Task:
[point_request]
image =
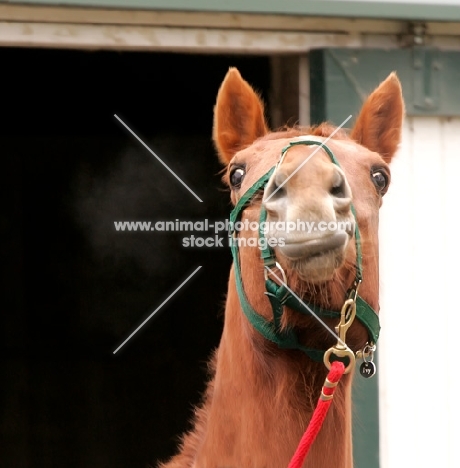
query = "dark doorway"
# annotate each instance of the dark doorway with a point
(73, 287)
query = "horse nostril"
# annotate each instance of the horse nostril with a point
(280, 178)
(339, 187)
(338, 191)
(274, 191)
(275, 188)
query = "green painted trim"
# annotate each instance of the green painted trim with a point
(318, 108)
(429, 79)
(366, 433)
(389, 9)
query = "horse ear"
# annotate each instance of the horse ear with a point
(238, 116)
(379, 124)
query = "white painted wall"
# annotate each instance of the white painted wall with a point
(419, 376)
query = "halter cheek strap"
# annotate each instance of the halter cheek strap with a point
(278, 294)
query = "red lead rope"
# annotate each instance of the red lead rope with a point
(327, 393)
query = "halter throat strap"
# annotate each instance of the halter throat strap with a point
(278, 294)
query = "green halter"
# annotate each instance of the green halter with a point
(279, 295)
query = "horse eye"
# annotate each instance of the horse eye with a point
(380, 180)
(237, 176)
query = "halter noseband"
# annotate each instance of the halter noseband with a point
(280, 295)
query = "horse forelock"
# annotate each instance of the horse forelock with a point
(325, 130)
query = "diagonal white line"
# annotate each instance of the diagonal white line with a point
(155, 311)
(165, 165)
(308, 308)
(311, 155)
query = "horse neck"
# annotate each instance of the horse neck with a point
(273, 392)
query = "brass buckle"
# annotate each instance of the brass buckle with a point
(341, 350)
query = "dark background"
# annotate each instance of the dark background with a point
(73, 289)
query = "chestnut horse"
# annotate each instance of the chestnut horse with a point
(262, 394)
